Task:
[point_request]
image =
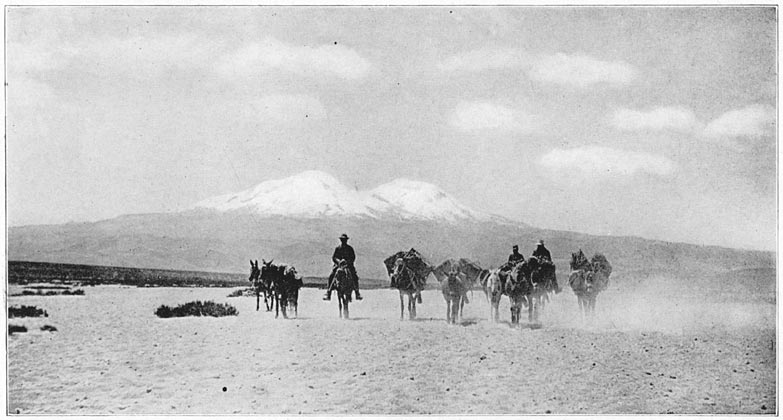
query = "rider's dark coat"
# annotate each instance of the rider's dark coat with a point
(344, 252)
(542, 252)
(515, 258)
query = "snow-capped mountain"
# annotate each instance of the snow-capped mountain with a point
(316, 194)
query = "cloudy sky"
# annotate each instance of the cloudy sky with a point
(657, 122)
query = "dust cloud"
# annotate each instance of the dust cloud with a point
(662, 304)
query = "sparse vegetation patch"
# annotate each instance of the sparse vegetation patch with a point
(41, 292)
(26, 312)
(16, 329)
(248, 291)
(197, 308)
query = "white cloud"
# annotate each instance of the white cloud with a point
(661, 118)
(581, 71)
(751, 121)
(577, 70)
(470, 116)
(485, 59)
(336, 60)
(287, 108)
(605, 161)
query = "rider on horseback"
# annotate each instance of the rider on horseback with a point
(343, 252)
(546, 259)
(513, 259)
(541, 251)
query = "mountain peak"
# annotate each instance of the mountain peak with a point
(315, 194)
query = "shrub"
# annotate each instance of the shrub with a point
(26, 311)
(248, 291)
(16, 329)
(77, 292)
(197, 308)
(48, 328)
(39, 292)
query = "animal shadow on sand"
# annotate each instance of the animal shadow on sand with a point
(522, 326)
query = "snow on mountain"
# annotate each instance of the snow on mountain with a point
(422, 200)
(315, 194)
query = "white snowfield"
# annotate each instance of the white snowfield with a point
(315, 194)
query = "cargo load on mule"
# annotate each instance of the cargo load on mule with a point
(602, 270)
(412, 260)
(408, 272)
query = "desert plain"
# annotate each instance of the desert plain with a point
(655, 349)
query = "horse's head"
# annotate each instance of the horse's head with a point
(399, 266)
(267, 270)
(254, 271)
(399, 271)
(342, 264)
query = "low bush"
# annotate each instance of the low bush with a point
(40, 292)
(249, 291)
(48, 328)
(16, 329)
(26, 312)
(77, 292)
(197, 308)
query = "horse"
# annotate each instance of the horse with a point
(542, 273)
(343, 284)
(588, 279)
(520, 291)
(259, 286)
(473, 274)
(284, 285)
(454, 287)
(407, 281)
(494, 290)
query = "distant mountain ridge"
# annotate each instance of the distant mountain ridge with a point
(297, 221)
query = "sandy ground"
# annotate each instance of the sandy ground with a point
(643, 354)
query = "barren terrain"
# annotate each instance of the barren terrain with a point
(650, 351)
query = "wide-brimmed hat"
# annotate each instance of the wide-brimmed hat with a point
(515, 247)
(540, 242)
(343, 236)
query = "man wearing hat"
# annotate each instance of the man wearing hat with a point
(515, 256)
(343, 252)
(541, 251)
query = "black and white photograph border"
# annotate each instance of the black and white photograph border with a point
(374, 210)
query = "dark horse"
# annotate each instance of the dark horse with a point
(520, 290)
(284, 285)
(543, 275)
(260, 287)
(408, 280)
(343, 284)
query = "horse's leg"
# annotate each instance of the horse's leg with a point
(345, 307)
(461, 307)
(402, 306)
(258, 299)
(284, 306)
(531, 303)
(455, 310)
(412, 306)
(296, 303)
(495, 309)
